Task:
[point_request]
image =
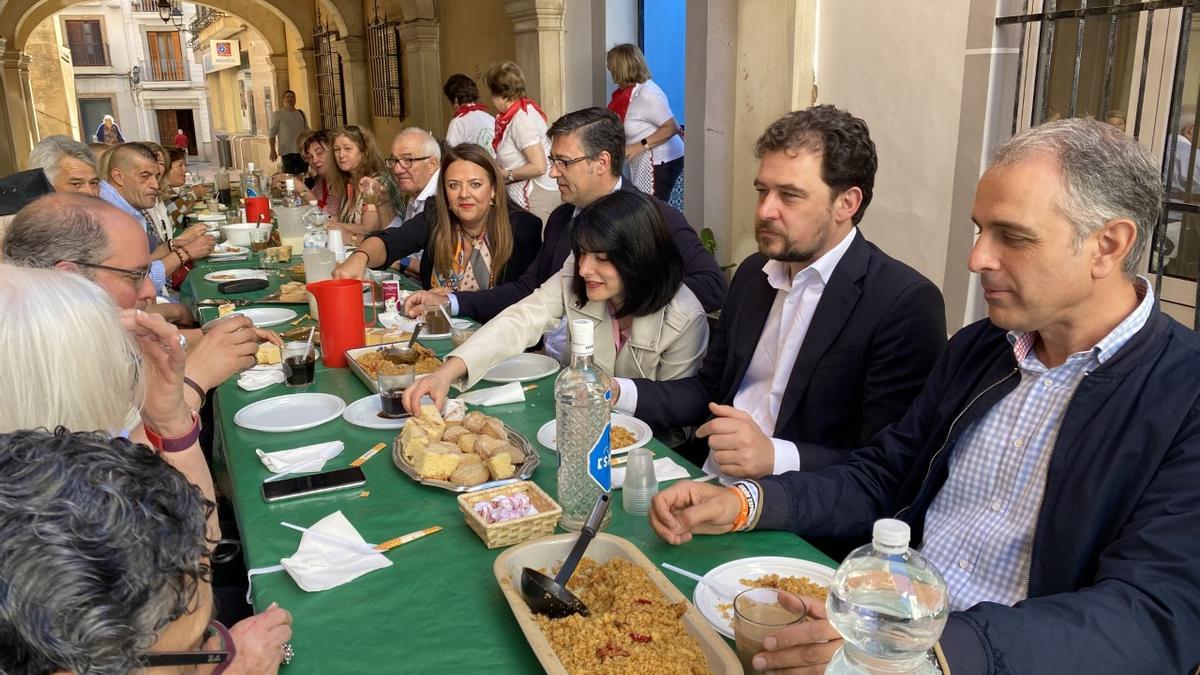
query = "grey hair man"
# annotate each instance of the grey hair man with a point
(65, 537)
(88, 236)
(1049, 466)
(68, 164)
(415, 163)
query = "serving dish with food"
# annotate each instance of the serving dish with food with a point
(368, 362)
(474, 453)
(638, 619)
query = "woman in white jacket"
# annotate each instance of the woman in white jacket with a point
(625, 275)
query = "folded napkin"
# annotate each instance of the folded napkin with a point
(307, 459)
(261, 377)
(665, 468)
(393, 320)
(320, 564)
(513, 392)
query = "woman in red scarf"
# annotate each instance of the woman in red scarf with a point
(654, 143)
(472, 123)
(520, 142)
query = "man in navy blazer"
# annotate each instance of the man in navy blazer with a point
(587, 150)
(823, 339)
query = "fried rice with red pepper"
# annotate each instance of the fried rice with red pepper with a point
(632, 628)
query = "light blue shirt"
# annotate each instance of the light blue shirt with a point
(158, 273)
(979, 529)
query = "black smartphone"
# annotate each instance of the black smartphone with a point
(314, 484)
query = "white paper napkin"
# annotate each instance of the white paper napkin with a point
(308, 459)
(665, 469)
(454, 410)
(393, 320)
(321, 564)
(513, 392)
(261, 377)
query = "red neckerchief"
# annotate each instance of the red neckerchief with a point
(503, 120)
(620, 101)
(468, 108)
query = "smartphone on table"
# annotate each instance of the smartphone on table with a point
(314, 484)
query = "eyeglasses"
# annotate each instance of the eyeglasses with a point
(196, 657)
(405, 162)
(137, 277)
(561, 163)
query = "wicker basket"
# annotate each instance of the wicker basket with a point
(509, 532)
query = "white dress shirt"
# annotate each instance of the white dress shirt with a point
(761, 390)
(417, 204)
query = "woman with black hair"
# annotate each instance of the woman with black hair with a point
(626, 276)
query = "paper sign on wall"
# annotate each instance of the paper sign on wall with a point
(225, 53)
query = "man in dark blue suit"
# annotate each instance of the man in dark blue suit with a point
(823, 339)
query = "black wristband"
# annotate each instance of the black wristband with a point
(198, 389)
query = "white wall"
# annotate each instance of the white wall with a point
(899, 66)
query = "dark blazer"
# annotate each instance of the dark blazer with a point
(701, 272)
(1113, 577)
(874, 337)
(415, 233)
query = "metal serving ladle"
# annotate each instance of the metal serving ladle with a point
(550, 597)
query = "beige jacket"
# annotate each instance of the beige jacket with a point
(666, 345)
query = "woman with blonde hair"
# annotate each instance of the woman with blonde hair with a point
(653, 142)
(480, 239)
(356, 157)
(520, 142)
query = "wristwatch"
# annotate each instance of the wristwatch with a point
(179, 443)
(645, 143)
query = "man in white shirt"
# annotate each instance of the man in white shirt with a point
(415, 163)
(287, 124)
(822, 335)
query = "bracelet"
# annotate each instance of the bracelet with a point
(178, 443)
(646, 142)
(196, 388)
(183, 255)
(739, 523)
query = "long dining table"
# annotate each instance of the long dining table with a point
(437, 608)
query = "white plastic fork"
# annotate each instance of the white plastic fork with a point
(717, 587)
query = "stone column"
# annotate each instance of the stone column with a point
(307, 60)
(15, 78)
(280, 79)
(538, 39)
(423, 75)
(356, 81)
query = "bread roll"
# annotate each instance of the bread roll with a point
(453, 432)
(469, 474)
(474, 421)
(486, 446)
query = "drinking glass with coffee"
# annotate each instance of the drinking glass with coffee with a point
(756, 614)
(391, 391)
(299, 364)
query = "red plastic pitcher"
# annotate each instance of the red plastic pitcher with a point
(258, 210)
(340, 309)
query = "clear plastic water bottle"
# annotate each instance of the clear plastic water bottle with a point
(584, 426)
(291, 198)
(890, 604)
(250, 184)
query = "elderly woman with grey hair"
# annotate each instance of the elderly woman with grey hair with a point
(105, 567)
(68, 164)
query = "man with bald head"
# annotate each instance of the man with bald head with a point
(82, 234)
(132, 185)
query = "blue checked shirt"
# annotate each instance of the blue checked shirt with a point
(979, 528)
(158, 273)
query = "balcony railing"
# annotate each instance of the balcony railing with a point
(203, 19)
(89, 54)
(145, 6)
(164, 70)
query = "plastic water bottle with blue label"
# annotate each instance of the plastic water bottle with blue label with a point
(583, 423)
(890, 604)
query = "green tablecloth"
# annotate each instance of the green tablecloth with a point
(437, 608)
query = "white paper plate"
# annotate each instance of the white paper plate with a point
(392, 321)
(235, 274)
(522, 368)
(548, 435)
(291, 412)
(731, 574)
(227, 251)
(264, 317)
(365, 413)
